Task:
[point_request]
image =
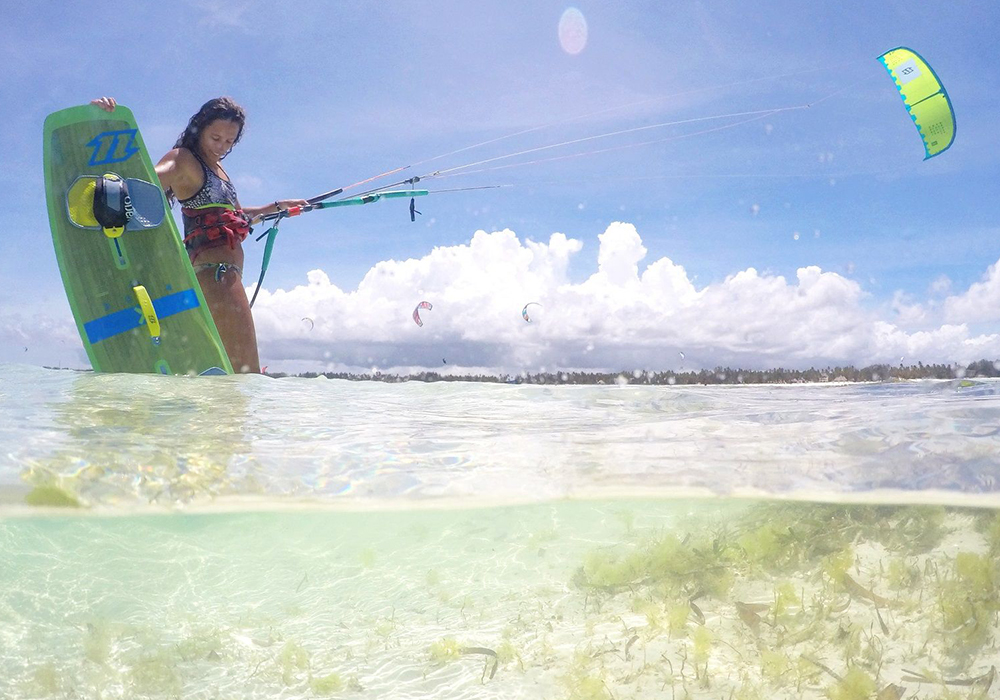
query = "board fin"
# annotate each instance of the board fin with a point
(213, 372)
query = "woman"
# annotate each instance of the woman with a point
(215, 224)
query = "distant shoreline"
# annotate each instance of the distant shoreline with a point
(719, 375)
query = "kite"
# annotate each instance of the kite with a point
(416, 312)
(524, 311)
(311, 324)
(925, 98)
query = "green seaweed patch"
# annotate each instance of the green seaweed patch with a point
(507, 652)
(97, 643)
(764, 546)
(701, 640)
(749, 691)
(855, 685)
(292, 659)
(200, 645)
(677, 618)
(445, 651)
(607, 571)
(155, 674)
(992, 533)
(583, 684)
(774, 666)
(902, 574)
(651, 610)
(45, 680)
(977, 573)
(327, 685)
(786, 537)
(836, 565)
(668, 564)
(967, 602)
(51, 496)
(917, 529)
(788, 603)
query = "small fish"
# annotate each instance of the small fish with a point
(698, 614)
(859, 591)
(986, 679)
(628, 645)
(750, 614)
(816, 662)
(891, 692)
(841, 607)
(881, 622)
(485, 652)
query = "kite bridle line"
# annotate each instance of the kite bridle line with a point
(607, 110)
(387, 192)
(743, 117)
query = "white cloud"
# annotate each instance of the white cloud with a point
(622, 316)
(627, 314)
(981, 302)
(940, 285)
(908, 313)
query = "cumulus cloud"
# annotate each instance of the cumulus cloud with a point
(628, 314)
(981, 302)
(624, 315)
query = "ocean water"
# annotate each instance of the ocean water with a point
(165, 537)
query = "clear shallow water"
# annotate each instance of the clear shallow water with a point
(249, 537)
(120, 440)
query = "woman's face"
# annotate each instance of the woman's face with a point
(217, 138)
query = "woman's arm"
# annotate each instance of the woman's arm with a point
(179, 173)
(256, 212)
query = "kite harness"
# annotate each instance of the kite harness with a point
(211, 224)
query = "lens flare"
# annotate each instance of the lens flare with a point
(572, 31)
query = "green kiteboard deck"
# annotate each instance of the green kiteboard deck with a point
(136, 300)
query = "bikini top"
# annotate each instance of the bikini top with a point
(214, 192)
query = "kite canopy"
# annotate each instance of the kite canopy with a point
(416, 312)
(524, 311)
(924, 96)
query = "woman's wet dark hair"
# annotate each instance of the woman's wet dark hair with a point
(220, 108)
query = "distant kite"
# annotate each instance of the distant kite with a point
(311, 324)
(925, 98)
(416, 312)
(524, 311)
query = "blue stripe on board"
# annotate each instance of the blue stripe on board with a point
(125, 320)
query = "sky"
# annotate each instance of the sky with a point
(672, 233)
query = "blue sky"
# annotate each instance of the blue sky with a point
(336, 92)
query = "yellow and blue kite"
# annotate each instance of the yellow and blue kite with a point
(924, 96)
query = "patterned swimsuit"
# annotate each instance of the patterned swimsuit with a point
(212, 218)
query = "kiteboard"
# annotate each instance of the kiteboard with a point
(137, 303)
